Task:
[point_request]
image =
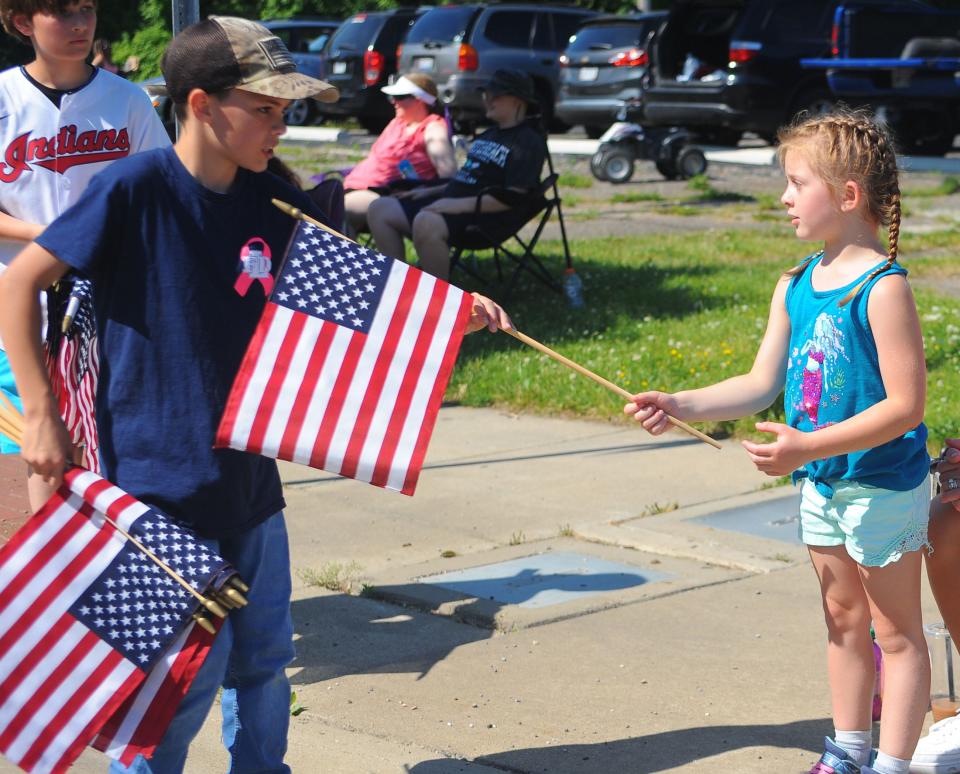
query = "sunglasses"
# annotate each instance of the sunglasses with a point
(401, 97)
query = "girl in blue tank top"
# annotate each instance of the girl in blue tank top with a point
(843, 340)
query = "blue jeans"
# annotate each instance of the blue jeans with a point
(248, 658)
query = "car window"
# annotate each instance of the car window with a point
(356, 32)
(543, 34)
(509, 28)
(442, 25)
(315, 45)
(784, 19)
(393, 33)
(601, 37)
(565, 26)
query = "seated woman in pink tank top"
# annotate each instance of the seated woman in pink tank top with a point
(414, 144)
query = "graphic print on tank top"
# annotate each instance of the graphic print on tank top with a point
(823, 376)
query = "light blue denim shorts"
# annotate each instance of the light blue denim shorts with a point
(9, 388)
(877, 526)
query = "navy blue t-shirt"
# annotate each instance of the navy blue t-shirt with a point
(164, 254)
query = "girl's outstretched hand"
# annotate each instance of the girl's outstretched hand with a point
(488, 314)
(949, 470)
(782, 456)
(651, 409)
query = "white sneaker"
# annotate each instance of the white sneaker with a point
(939, 751)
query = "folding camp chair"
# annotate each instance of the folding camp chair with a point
(505, 240)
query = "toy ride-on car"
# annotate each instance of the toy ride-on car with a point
(668, 147)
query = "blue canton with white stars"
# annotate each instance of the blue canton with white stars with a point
(331, 278)
(135, 606)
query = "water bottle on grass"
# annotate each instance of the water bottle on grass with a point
(573, 288)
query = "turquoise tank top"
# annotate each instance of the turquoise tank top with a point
(833, 373)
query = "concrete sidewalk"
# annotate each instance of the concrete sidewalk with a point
(559, 596)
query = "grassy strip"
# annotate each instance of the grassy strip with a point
(672, 312)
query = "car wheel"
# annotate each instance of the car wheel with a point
(667, 168)
(690, 162)
(618, 166)
(299, 113)
(595, 131)
(596, 166)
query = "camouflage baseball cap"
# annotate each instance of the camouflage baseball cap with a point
(226, 52)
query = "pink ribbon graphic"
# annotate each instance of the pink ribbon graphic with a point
(255, 263)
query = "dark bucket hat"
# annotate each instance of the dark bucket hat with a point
(513, 83)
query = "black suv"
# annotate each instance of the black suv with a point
(602, 68)
(460, 47)
(360, 58)
(723, 67)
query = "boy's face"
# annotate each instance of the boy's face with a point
(248, 127)
(62, 36)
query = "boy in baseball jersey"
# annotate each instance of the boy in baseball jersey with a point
(61, 122)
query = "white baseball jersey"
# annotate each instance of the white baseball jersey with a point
(48, 155)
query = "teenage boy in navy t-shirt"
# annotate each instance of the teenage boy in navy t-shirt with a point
(161, 234)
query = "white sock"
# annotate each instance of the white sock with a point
(887, 764)
(856, 744)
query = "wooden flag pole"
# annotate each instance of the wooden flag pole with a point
(294, 212)
(11, 421)
(608, 384)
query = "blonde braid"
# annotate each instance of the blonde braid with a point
(888, 193)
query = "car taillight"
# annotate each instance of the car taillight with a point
(742, 51)
(635, 57)
(372, 67)
(399, 51)
(835, 39)
(468, 59)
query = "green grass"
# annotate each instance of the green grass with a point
(636, 196)
(677, 311)
(572, 180)
(705, 192)
(946, 187)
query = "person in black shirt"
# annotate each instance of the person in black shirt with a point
(508, 157)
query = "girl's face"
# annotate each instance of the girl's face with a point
(62, 36)
(811, 204)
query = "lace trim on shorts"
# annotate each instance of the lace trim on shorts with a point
(913, 538)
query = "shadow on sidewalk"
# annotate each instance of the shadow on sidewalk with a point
(394, 632)
(340, 635)
(653, 753)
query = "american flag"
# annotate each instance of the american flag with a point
(347, 368)
(97, 644)
(74, 366)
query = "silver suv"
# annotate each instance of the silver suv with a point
(461, 46)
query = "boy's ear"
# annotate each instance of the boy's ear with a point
(198, 105)
(850, 196)
(23, 24)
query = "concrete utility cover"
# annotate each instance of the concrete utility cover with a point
(545, 579)
(774, 519)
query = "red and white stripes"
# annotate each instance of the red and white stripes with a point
(361, 405)
(59, 681)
